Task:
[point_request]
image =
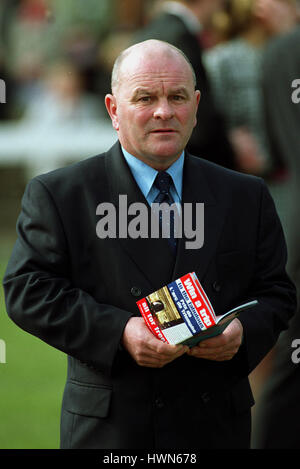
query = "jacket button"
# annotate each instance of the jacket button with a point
(205, 397)
(159, 403)
(216, 286)
(136, 291)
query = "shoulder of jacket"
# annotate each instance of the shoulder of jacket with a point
(76, 171)
(214, 170)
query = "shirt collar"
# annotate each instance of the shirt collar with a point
(145, 175)
(190, 20)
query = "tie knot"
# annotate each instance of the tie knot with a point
(163, 182)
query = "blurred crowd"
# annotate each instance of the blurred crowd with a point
(56, 58)
(50, 59)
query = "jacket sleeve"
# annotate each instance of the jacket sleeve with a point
(40, 297)
(271, 286)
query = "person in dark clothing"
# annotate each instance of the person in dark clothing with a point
(278, 421)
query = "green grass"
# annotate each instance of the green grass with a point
(31, 382)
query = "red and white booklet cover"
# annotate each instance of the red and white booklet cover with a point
(181, 312)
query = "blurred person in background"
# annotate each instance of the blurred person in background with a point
(110, 47)
(81, 47)
(278, 417)
(7, 8)
(41, 32)
(7, 108)
(181, 23)
(28, 75)
(62, 99)
(30, 31)
(234, 68)
(7, 90)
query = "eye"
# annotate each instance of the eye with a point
(178, 97)
(145, 99)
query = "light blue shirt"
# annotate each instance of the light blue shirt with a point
(145, 177)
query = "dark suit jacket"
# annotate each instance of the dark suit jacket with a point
(76, 292)
(209, 139)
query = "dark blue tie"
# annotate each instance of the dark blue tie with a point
(163, 182)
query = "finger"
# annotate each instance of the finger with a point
(212, 353)
(224, 358)
(155, 361)
(164, 350)
(156, 352)
(214, 342)
(231, 336)
(151, 363)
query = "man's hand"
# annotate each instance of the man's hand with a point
(222, 347)
(145, 348)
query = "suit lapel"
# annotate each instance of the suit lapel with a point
(152, 256)
(197, 189)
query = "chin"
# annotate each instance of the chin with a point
(167, 151)
(162, 161)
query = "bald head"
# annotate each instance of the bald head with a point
(154, 102)
(149, 49)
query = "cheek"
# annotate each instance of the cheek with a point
(142, 116)
(138, 122)
(133, 125)
(188, 117)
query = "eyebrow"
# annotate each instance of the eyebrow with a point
(148, 92)
(141, 91)
(181, 90)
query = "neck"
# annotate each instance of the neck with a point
(155, 162)
(159, 165)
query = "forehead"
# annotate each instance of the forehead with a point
(155, 69)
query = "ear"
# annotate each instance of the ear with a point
(197, 98)
(111, 106)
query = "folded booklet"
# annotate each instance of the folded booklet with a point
(181, 313)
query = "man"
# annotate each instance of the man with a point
(278, 423)
(78, 291)
(181, 23)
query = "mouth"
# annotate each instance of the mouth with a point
(163, 131)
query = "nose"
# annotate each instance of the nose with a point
(163, 110)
